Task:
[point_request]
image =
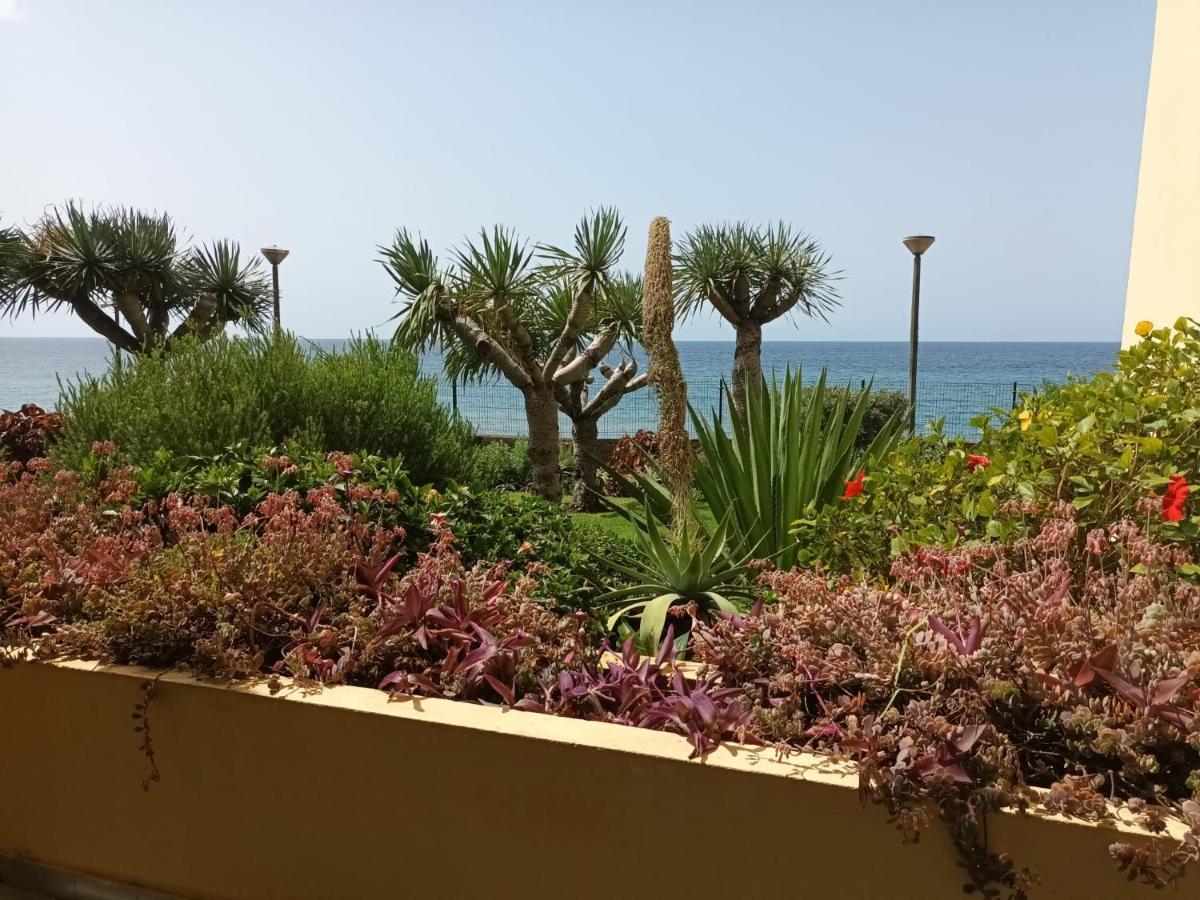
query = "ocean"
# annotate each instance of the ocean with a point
(957, 380)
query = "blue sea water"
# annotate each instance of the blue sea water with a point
(957, 379)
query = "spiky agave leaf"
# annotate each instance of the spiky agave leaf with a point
(709, 573)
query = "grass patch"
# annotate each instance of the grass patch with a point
(620, 526)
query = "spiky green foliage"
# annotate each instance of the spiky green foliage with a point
(501, 307)
(205, 397)
(543, 318)
(108, 262)
(754, 273)
(703, 570)
(786, 456)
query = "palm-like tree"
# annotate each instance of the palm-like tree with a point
(543, 319)
(113, 264)
(752, 275)
(615, 322)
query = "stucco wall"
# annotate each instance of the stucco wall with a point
(342, 794)
(1164, 266)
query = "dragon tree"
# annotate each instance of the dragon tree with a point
(752, 275)
(543, 318)
(129, 277)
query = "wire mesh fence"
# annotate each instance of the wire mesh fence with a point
(497, 409)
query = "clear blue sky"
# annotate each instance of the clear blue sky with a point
(1010, 131)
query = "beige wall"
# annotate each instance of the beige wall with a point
(1164, 267)
(341, 794)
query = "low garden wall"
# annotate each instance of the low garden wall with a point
(341, 793)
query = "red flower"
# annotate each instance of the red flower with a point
(855, 486)
(1172, 501)
(977, 461)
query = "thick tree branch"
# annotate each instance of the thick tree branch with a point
(722, 305)
(581, 308)
(577, 368)
(198, 320)
(131, 308)
(765, 307)
(487, 348)
(524, 342)
(102, 323)
(621, 381)
(571, 398)
(741, 295)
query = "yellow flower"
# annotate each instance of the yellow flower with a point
(432, 496)
(1024, 417)
(1143, 328)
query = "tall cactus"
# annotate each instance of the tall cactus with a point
(658, 321)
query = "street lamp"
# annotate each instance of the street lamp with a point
(275, 255)
(917, 245)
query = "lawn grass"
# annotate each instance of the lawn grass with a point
(622, 527)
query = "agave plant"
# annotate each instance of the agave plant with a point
(784, 457)
(667, 574)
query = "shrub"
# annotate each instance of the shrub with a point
(28, 432)
(307, 588)
(242, 476)
(500, 464)
(1065, 660)
(1121, 444)
(204, 398)
(882, 408)
(781, 457)
(570, 556)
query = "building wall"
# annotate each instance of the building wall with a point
(1164, 267)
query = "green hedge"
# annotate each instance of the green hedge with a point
(200, 399)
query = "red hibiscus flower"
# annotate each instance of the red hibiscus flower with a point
(854, 487)
(977, 461)
(1173, 499)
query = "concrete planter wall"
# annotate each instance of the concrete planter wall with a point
(341, 793)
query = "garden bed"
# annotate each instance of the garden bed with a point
(340, 792)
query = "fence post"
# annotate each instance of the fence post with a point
(721, 401)
(454, 395)
(1014, 402)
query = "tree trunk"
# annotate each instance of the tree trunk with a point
(747, 362)
(541, 414)
(586, 496)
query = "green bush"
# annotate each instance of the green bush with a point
(785, 456)
(203, 398)
(882, 408)
(242, 476)
(571, 555)
(499, 464)
(1107, 446)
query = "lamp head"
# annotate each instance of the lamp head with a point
(918, 243)
(274, 255)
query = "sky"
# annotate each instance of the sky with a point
(1010, 131)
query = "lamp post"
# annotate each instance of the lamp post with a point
(917, 245)
(275, 255)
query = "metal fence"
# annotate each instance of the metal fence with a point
(496, 408)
